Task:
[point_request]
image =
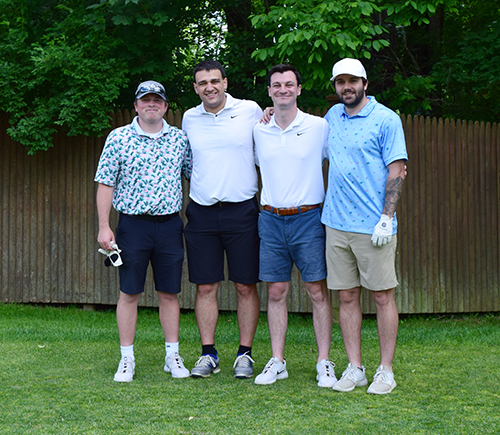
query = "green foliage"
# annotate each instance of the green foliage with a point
(469, 73)
(432, 57)
(67, 64)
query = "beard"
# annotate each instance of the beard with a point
(358, 97)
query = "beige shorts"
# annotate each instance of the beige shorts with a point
(352, 260)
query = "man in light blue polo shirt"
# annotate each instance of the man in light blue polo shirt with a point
(367, 155)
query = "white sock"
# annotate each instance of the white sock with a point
(127, 351)
(171, 348)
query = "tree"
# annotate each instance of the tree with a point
(67, 63)
(432, 57)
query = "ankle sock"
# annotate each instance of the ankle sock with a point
(171, 348)
(127, 351)
(208, 349)
(245, 349)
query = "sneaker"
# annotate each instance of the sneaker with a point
(174, 364)
(204, 366)
(126, 370)
(326, 374)
(274, 370)
(243, 366)
(383, 381)
(352, 377)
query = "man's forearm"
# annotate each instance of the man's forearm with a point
(104, 200)
(394, 187)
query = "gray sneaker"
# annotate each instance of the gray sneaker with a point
(204, 366)
(352, 377)
(383, 381)
(243, 366)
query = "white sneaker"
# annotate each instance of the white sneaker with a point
(326, 374)
(352, 377)
(383, 381)
(274, 370)
(174, 364)
(126, 370)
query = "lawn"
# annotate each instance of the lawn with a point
(58, 365)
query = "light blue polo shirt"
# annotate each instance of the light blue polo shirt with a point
(360, 148)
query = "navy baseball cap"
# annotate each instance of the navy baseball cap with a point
(150, 87)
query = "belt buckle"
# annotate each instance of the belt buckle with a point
(278, 212)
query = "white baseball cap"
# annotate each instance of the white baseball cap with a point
(349, 66)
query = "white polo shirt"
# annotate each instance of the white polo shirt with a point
(291, 161)
(222, 146)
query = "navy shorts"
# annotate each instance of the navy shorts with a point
(230, 227)
(285, 240)
(143, 241)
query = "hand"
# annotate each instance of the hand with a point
(105, 238)
(266, 116)
(382, 234)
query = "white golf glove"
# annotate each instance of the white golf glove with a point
(113, 255)
(382, 233)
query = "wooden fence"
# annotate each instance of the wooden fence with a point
(448, 256)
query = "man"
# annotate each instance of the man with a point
(290, 151)
(139, 173)
(367, 155)
(223, 213)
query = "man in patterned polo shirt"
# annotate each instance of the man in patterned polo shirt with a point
(139, 173)
(367, 155)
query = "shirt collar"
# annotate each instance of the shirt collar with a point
(141, 132)
(365, 111)
(299, 117)
(229, 104)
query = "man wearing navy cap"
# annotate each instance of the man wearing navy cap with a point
(139, 174)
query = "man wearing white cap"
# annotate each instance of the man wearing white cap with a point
(367, 155)
(139, 173)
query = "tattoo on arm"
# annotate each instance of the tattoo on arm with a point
(393, 191)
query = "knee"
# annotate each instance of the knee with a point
(349, 296)
(318, 293)
(129, 299)
(383, 298)
(277, 291)
(207, 290)
(246, 290)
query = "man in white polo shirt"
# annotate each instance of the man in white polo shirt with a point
(223, 213)
(290, 152)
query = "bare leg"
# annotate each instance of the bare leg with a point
(277, 316)
(169, 316)
(322, 316)
(207, 311)
(387, 325)
(126, 317)
(350, 319)
(248, 312)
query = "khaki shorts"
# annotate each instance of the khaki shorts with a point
(352, 260)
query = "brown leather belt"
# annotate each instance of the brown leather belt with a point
(288, 211)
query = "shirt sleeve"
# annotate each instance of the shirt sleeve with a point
(109, 162)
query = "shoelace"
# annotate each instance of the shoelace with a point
(177, 360)
(205, 360)
(350, 374)
(243, 360)
(381, 377)
(269, 365)
(126, 365)
(326, 369)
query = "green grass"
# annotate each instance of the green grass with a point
(57, 366)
